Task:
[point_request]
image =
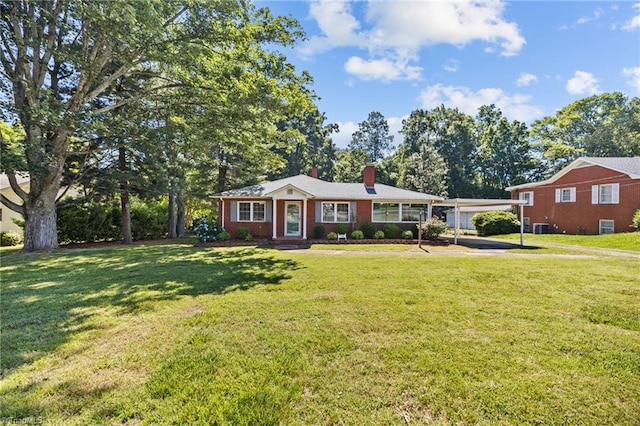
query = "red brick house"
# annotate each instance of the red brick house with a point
(290, 208)
(589, 196)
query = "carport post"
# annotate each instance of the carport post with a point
(457, 215)
(522, 225)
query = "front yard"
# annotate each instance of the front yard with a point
(175, 334)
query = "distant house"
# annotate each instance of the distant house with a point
(589, 196)
(290, 208)
(466, 213)
(7, 215)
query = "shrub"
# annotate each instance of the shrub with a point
(80, 220)
(318, 232)
(244, 233)
(433, 227)
(495, 223)
(10, 238)
(357, 235)
(332, 236)
(342, 228)
(368, 229)
(636, 220)
(149, 220)
(391, 230)
(407, 235)
(206, 229)
(378, 235)
(224, 236)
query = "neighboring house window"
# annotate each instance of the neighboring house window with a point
(566, 195)
(605, 194)
(526, 224)
(251, 211)
(397, 212)
(527, 196)
(606, 227)
(335, 212)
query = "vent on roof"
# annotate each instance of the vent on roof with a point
(289, 191)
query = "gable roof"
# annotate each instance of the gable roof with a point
(629, 166)
(316, 188)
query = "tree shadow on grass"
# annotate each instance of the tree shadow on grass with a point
(47, 298)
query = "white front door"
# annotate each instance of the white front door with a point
(293, 218)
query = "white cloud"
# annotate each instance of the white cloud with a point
(585, 19)
(634, 22)
(514, 107)
(381, 69)
(343, 137)
(526, 79)
(583, 83)
(452, 65)
(633, 74)
(396, 31)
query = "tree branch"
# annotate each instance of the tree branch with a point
(12, 206)
(16, 187)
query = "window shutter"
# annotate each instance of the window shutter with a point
(558, 195)
(573, 195)
(234, 211)
(268, 211)
(353, 207)
(615, 193)
(595, 190)
(318, 211)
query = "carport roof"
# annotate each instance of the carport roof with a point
(478, 202)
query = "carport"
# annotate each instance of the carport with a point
(458, 203)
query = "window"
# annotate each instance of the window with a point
(397, 212)
(605, 194)
(527, 196)
(565, 195)
(526, 224)
(606, 226)
(335, 212)
(253, 211)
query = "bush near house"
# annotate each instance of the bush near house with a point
(368, 229)
(432, 228)
(342, 228)
(244, 234)
(407, 235)
(495, 223)
(391, 230)
(636, 220)
(206, 229)
(10, 238)
(378, 235)
(318, 232)
(332, 236)
(357, 235)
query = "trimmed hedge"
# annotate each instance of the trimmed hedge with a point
(495, 223)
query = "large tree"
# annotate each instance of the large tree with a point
(60, 57)
(372, 136)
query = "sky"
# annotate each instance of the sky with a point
(529, 58)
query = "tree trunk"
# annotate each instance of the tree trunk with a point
(40, 232)
(180, 225)
(125, 205)
(172, 216)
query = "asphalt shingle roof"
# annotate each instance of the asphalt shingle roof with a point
(321, 189)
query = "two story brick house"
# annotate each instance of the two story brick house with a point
(592, 195)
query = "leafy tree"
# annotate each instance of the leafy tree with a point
(504, 155)
(425, 171)
(373, 137)
(61, 60)
(350, 165)
(605, 125)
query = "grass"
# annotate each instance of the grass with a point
(624, 241)
(174, 334)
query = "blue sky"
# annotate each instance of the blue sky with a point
(530, 58)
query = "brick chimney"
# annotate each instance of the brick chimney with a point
(314, 172)
(369, 175)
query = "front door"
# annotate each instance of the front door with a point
(293, 218)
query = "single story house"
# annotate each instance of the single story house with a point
(592, 195)
(466, 213)
(7, 215)
(290, 208)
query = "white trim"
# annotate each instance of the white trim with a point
(274, 219)
(529, 201)
(286, 210)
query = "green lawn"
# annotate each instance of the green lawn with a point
(174, 334)
(624, 241)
